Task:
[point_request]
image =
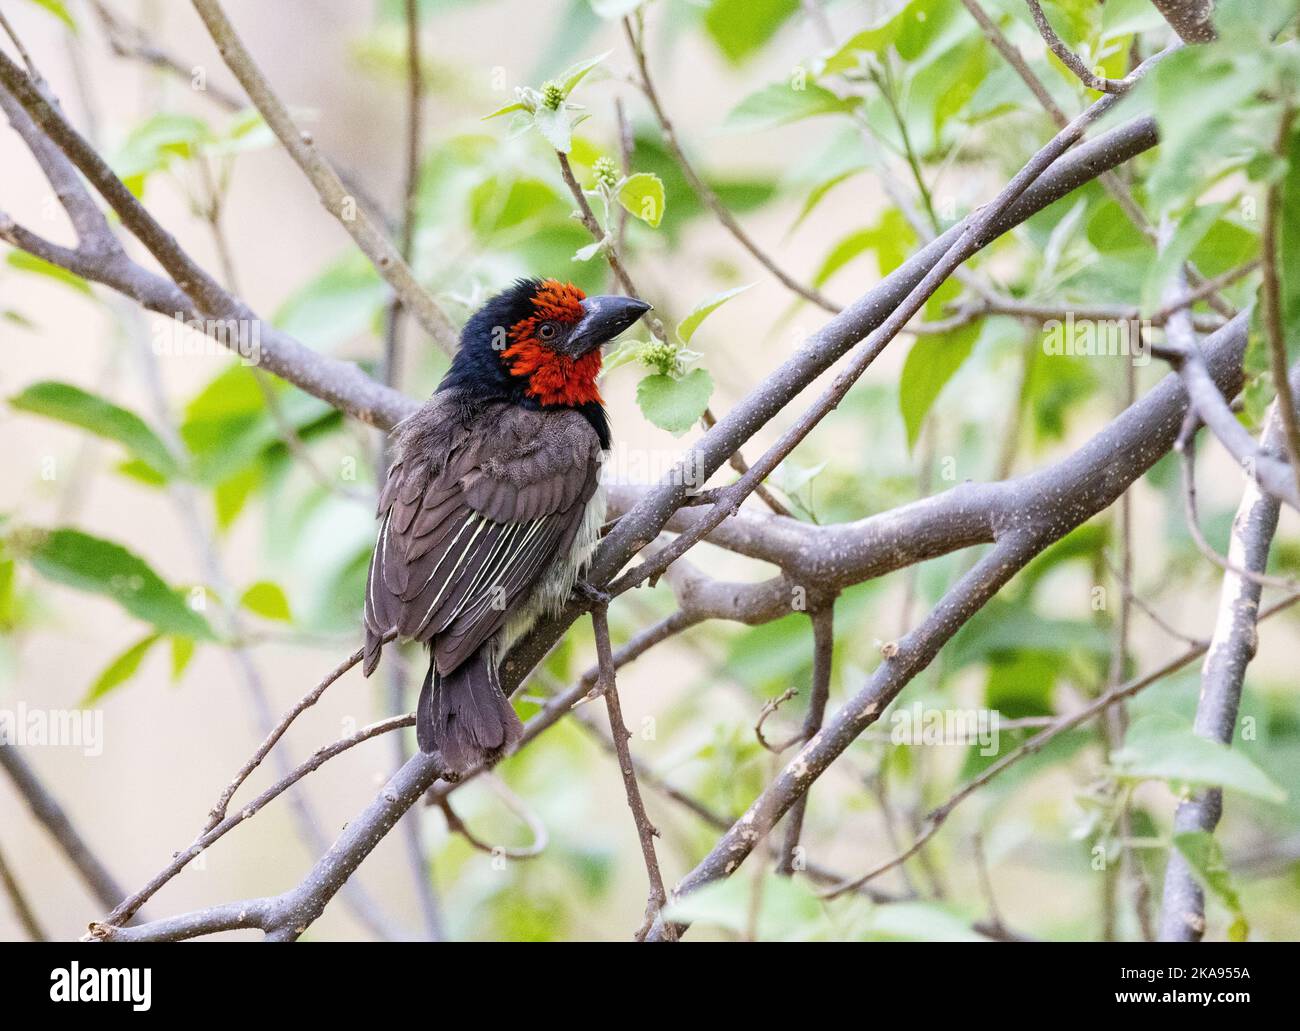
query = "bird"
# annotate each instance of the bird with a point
(493, 505)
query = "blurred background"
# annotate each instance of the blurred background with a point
(281, 534)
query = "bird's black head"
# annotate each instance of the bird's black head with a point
(539, 343)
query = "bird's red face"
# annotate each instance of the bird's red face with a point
(556, 345)
(537, 348)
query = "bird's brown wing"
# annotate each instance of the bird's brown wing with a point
(474, 512)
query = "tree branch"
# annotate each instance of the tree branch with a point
(823, 621)
(45, 807)
(703, 190)
(333, 194)
(1193, 20)
(1231, 649)
(646, 832)
(1213, 409)
(22, 908)
(194, 294)
(1024, 533)
(1071, 60)
(936, 817)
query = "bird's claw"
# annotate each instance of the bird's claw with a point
(591, 594)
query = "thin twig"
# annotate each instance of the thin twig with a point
(1073, 61)
(22, 50)
(769, 709)
(967, 243)
(986, 882)
(936, 817)
(1146, 608)
(61, 152)
(1186, 448)
(613, 255)
(1272, 308)
(646, 832)
(369, 237)
(1233, 646)
(823, 622)
(47, 810)
(626, 144)
(132, 43)
(22, 908)
(418, 860)
(218, 812)
(702, 189)
(131, 905)
(1210, 404)
(536, 827)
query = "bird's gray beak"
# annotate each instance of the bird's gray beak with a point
(603, 319)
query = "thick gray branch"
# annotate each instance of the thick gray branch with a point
(642, 525)
(1085, 484)
(1193, 20)
(1223, 673)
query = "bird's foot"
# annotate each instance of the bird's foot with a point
(590, 594)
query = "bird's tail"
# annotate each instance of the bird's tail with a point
(464, 715)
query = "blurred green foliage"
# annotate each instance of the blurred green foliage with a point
(933, 97)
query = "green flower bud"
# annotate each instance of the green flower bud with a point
(605, 172)
(552, 95)
(660, 356)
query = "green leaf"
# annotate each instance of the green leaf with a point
(8, 596)
(182, 653)
(819, 192)
(780, 103)
(101, 567)
(72, 405)
(231, 495)
(930, 28)
(1191, 229)
(555, 127)
(889, 239)
(919, 921)
(25, 262)
(848, 248)
(741, 27)
(572, 76)
(18, 319)
(247, 130)
(675, 404)
(642, 194)
(508, 109)
(1203, 855)
(869, 41)
(341, 302)
(1155, 747)
(1201, 96)
(687, 327)
(789, 909)
(930, 364)
(268, 600)
(142, 472)
(59, 10)
(159, 141)
(120, 670)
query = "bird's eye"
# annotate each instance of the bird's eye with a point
(547, 330)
